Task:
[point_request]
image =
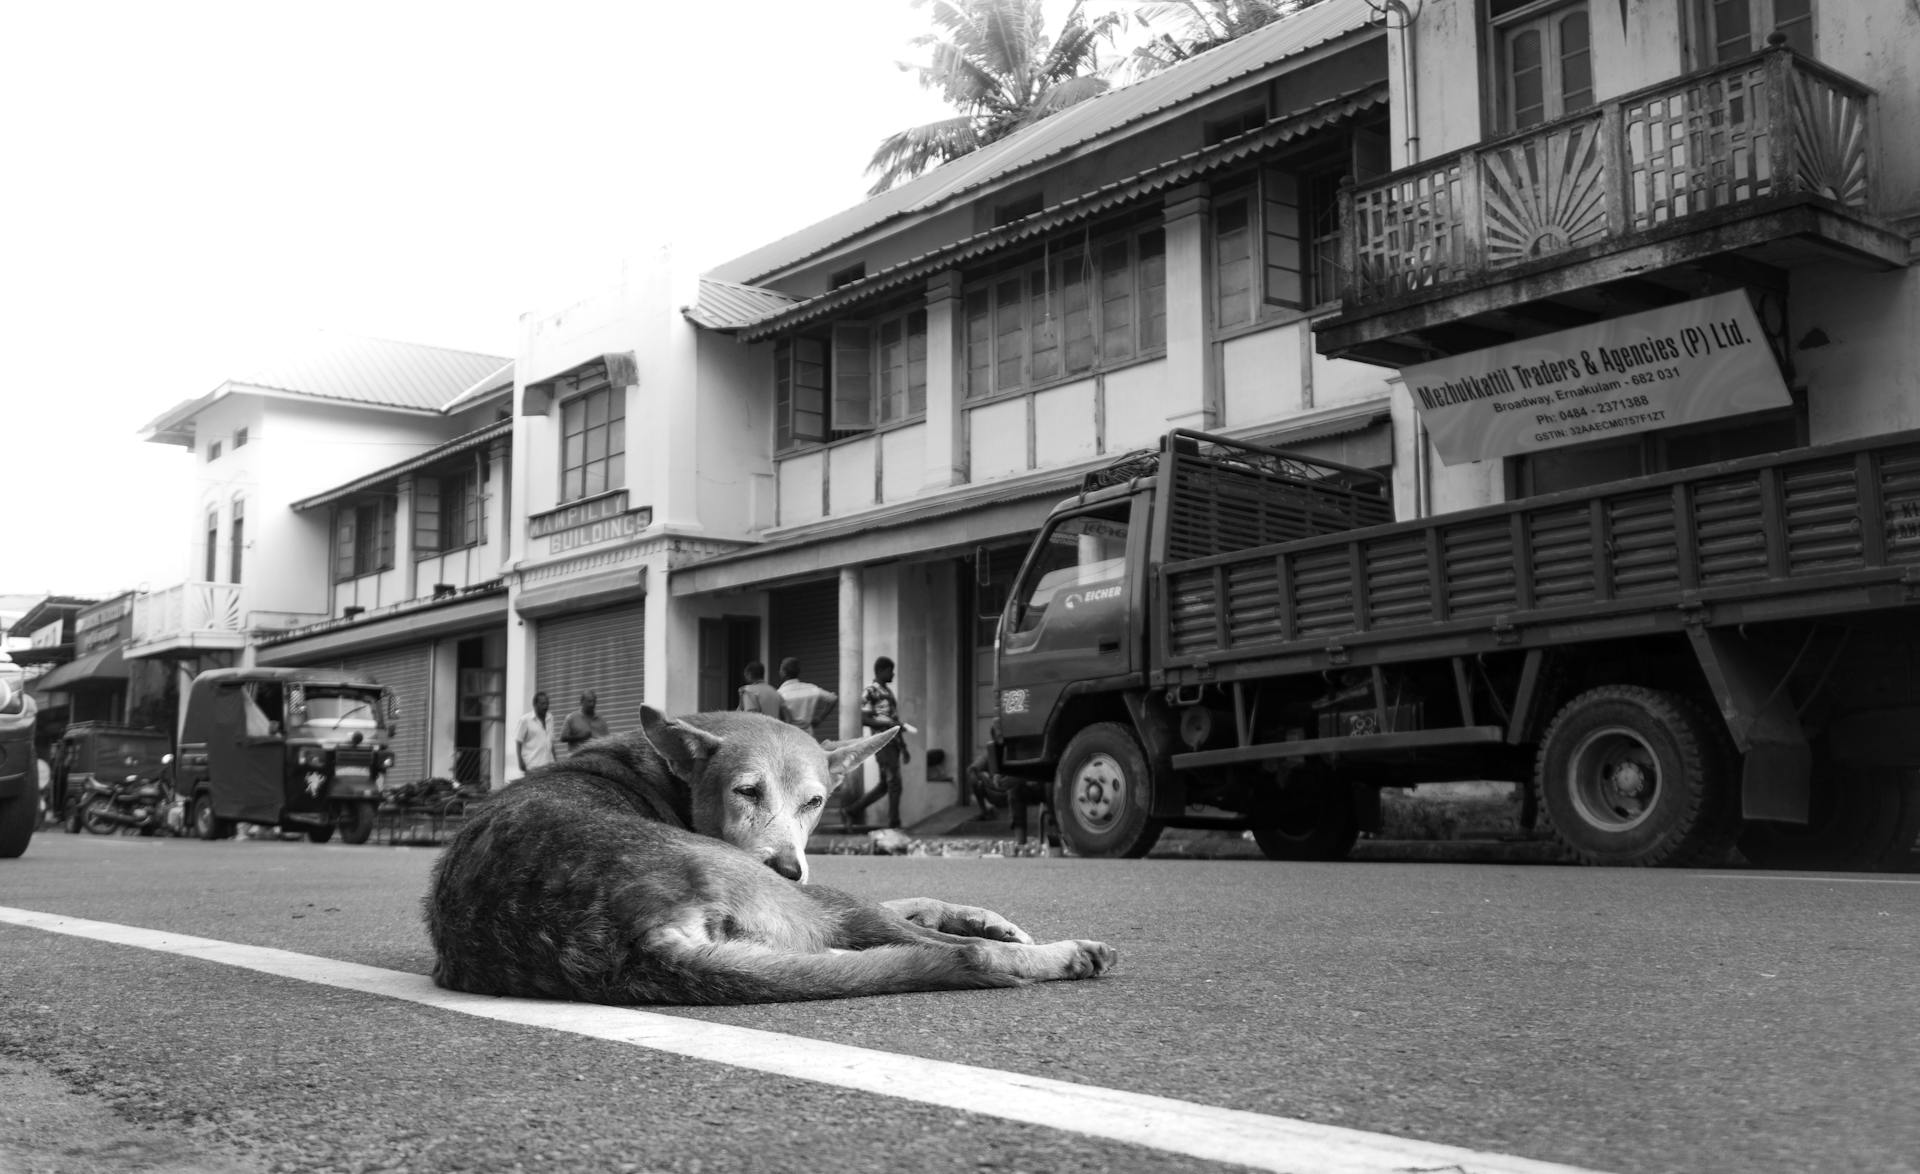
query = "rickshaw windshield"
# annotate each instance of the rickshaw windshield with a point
(133, 753)
(336, 708)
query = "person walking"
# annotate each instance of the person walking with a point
(583, 725)
(880, 710)
(532, 741)
(807, 704)
(756, 696)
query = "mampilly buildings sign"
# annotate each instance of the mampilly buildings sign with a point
(588, 523)
(1700, 360)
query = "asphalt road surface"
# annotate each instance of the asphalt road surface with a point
(1625, 1021)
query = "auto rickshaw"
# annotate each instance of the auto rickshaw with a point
(301, 749)
(101, 750)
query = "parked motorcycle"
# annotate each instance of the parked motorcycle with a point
(143, 802)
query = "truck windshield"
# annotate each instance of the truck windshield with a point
(342, 709)
(1081, 561)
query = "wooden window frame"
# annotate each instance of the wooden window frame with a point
(237, 539)
(1290, 243)
(356, 556)
(1058, 327)
(1704, 41)
(1546, 17)
(610, 432)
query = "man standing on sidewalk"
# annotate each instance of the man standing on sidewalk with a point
(807, 704)
(880, 710)
(532, 743)
(583, 725)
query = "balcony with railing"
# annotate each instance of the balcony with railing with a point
(189, 618)
(1734, 174)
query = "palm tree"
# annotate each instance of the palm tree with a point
(1195, 26)
(994, 64)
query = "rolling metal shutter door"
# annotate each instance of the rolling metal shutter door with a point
(605, 651)
(804, 622)
(408, 672)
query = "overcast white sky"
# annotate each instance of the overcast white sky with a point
(188, 179)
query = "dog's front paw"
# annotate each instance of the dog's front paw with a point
(965, 920)
(1090, 959)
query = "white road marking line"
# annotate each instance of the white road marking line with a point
(1255, 1140)
(1831, 880)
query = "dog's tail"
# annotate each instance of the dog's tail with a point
(745, 972)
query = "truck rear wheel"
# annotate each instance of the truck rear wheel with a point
(1311, 819)
(1100, 794)
(1864, 817)
(1635, 776)
(17, 817)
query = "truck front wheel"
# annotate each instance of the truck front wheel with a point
(1635, 776)
(1100, 794)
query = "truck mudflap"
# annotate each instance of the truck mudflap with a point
(1776, 780)
(1155, 726)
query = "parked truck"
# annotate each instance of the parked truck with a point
(1218, 634)
(19, 769)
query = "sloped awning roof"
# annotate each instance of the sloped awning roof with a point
(1171, 173)
(724, 305)
(458, 444)
(104, 667)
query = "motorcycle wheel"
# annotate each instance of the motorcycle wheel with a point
(95, 820)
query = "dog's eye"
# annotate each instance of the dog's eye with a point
(812, 803)
(748, 791)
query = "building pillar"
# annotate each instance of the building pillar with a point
(946, 383)
(852, 657)
(1192, 385)
(403, 536)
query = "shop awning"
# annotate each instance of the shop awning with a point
(103, 667)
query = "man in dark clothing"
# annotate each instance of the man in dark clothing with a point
(880, 710)
(583, 725)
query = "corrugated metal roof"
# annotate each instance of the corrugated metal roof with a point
(374, 371)
(348, 368)
(725, 305)
(474, 439)
(1162, 175)
(1076, 125)
(498, 381)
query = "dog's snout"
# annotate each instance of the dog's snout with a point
(787, 863)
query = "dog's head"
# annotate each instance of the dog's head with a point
(756, 782)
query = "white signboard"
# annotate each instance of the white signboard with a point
(1700, 360)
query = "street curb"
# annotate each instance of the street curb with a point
(1181, 844)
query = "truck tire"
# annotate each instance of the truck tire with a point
(1856, 823)
(17, 817)
(1100, 794)
(1312, 819)
(206, 824)
(1634, 776)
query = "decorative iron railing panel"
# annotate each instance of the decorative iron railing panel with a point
(1766, 126)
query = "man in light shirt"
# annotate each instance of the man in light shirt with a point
(532, 743)
(807, 704)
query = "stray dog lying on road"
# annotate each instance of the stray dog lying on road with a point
(669, 866)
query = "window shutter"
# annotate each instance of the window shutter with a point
(426, 516)
(852, 376)
(470, 517)
(1280, 224)
(389, 521)
(343, 542)
(808, 407)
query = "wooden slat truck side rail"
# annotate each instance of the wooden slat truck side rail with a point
(1799, 533)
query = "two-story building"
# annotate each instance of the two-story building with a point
(309, 511)
(928, 372)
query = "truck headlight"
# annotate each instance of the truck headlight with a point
(312, 756)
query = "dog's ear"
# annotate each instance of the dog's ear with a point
(842, 757)
(684, 747)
